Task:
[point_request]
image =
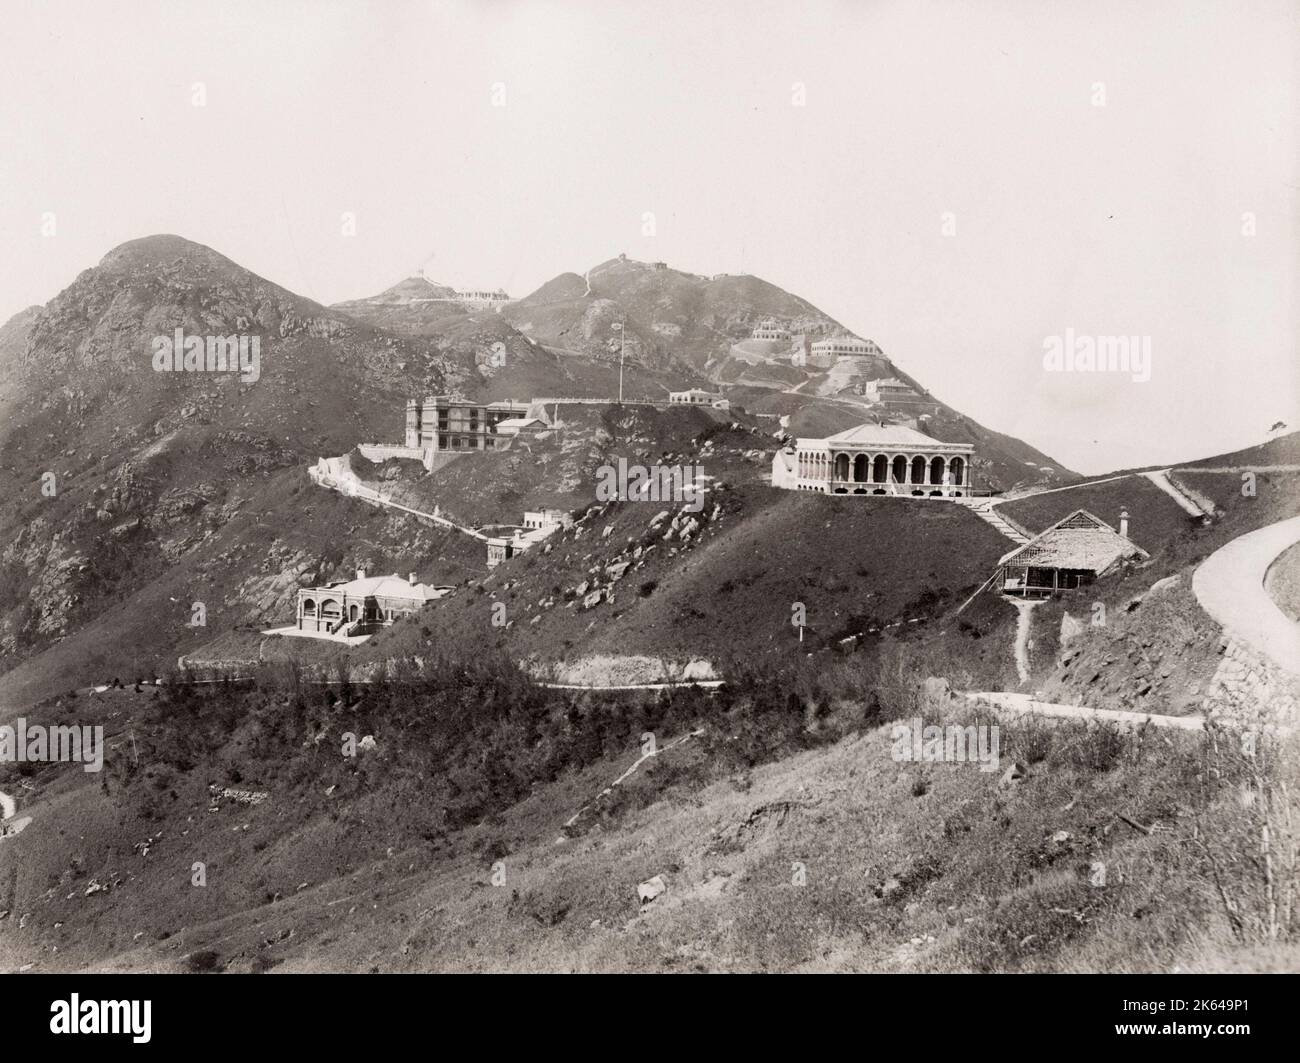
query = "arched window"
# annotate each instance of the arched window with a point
(880, 469)
(918, 470)
(841, 466)
(861, 469)
(308, 607)
(936, 470)
(958, 469)
(899, 469)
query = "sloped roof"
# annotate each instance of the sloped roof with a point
(1078, 540)
(385, 586)
(845, 340)
(889, 435)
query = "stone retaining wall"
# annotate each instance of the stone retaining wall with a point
(1248, 690)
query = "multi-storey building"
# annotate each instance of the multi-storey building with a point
(441, 423)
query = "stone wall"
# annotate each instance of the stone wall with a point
(383, 451)
(1249, 691)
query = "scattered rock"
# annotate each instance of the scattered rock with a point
(647, 891)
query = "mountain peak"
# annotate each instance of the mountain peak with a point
(158, 249)
(623, 264)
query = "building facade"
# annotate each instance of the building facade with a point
(694, 397)
(363, 605)
(770, 330)
(538, 526)
(440, 422)
(875, 460)
(844, 347)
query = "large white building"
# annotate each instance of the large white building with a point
(361, 606)
(875, 460)
(844, 347)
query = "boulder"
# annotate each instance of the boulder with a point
(650, 889)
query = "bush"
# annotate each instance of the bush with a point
(205, 961)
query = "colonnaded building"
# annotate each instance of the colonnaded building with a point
(874, 459)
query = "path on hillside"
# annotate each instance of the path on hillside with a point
(1150, 474)
(354, 488)
(1229, 584)
(1236, 468)
(653, 752)
(1006, 701)
(706, 683)
(1187, 504)
(1024, 624)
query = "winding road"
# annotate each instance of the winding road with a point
(1229, 584)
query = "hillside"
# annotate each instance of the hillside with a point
(671, 316)
(146, 469)
(786, 831)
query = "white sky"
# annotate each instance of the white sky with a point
(1119, 219)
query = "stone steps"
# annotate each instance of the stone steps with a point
(984, 509)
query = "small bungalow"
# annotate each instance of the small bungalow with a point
(1071, 553)
(361, 606)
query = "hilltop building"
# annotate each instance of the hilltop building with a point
(443, 423)
(770, 330)
(837, 347)
(361, 606)
(470, 298)
(483, 300)
(893, 393)
(1071, 553)
(875, 459)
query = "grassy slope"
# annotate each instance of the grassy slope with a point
(908, 867)
(729, 594)
(1154, 517)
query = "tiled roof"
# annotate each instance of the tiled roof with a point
(1079, 540)
(386, 586)
(886, 435)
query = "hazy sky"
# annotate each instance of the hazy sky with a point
(1125, 218)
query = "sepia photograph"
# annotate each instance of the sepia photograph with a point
(648, 487)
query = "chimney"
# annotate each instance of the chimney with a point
(1123, 523)
(361, 573)
(412, 580)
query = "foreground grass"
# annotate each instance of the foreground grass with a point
(788, 836)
